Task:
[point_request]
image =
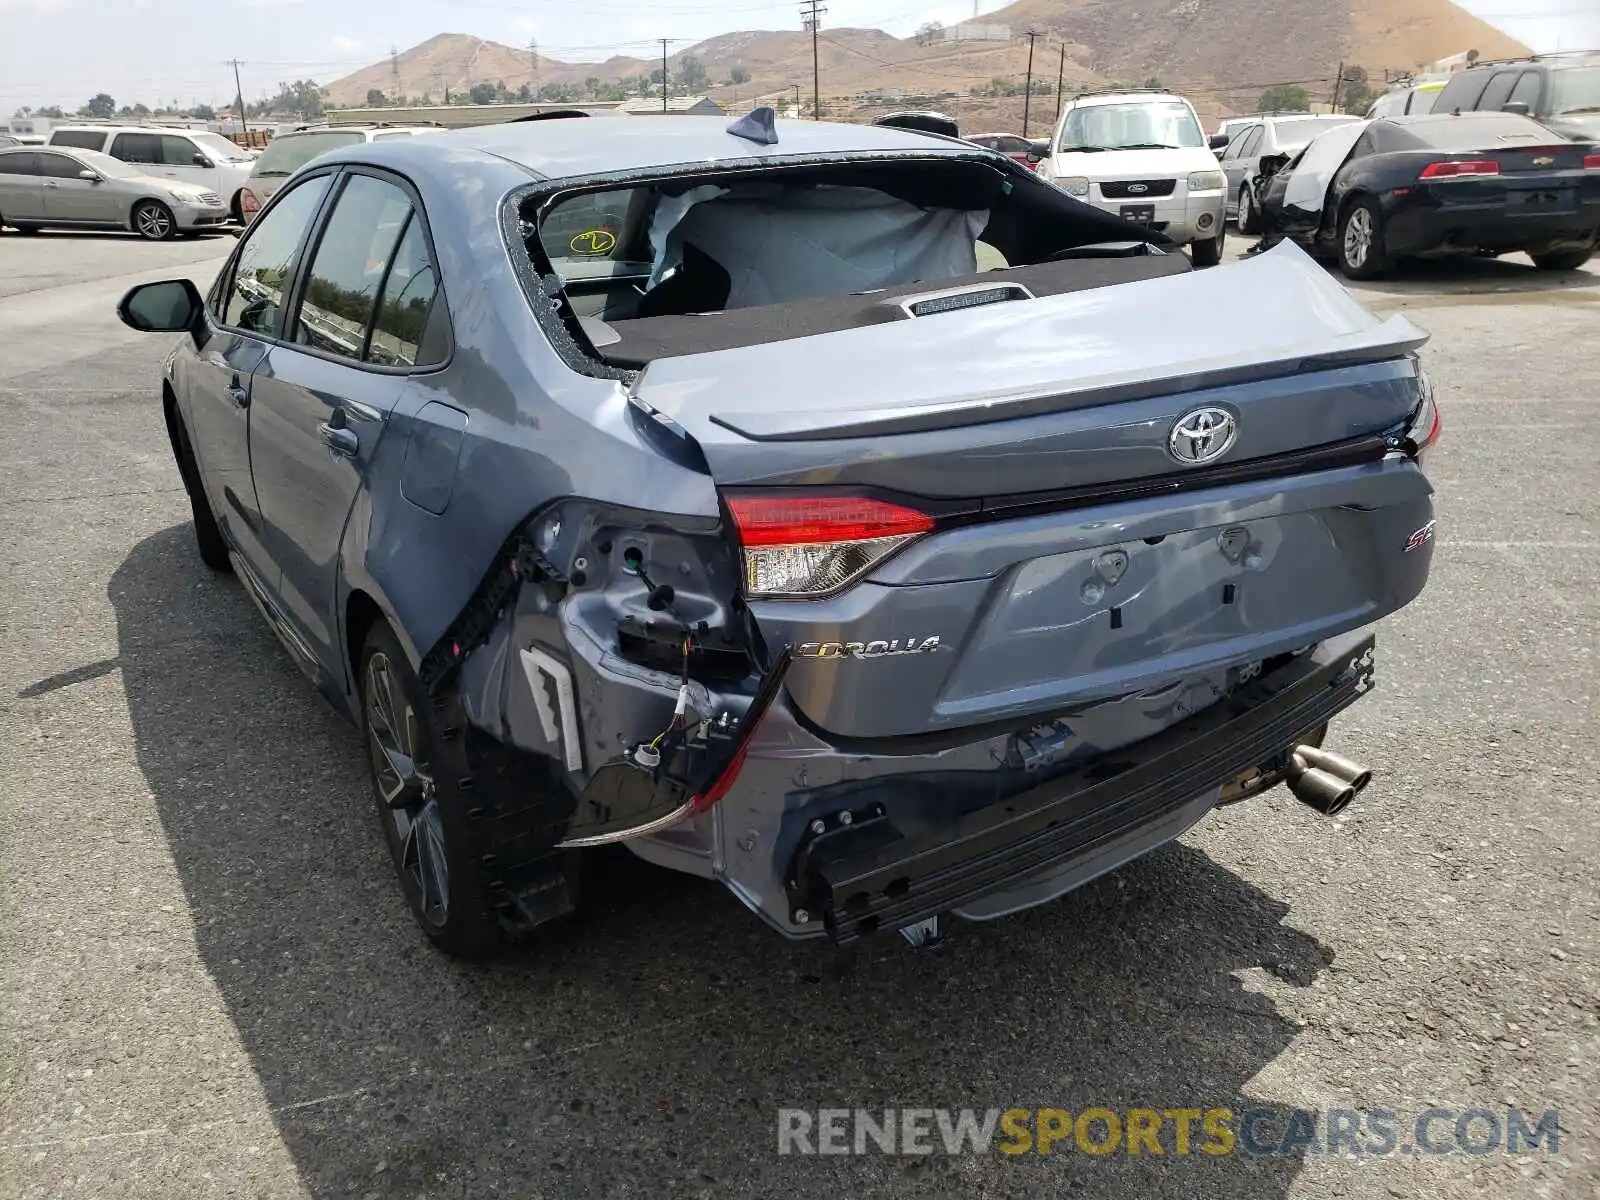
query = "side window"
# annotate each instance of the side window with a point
(267, 259)
(1462, 92)
(59, 166)
(1498, 91)
(137, 148)
(19, 164)
(407, 331)
(81, 139)
(1252, 142)
(1527, 90)
(178, 151)
(591, 226)
(348, 267)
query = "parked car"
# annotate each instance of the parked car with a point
(1241, 160)
(53, 187)
(1376, 194)
(1416, 99)
(288, 152)
(1228, 127)
(206, 160)
(1560, 91)
(692, 538)
(1012, 145)
(1143, 156)
(7, 140)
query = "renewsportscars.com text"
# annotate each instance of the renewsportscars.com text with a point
(1265, 1131)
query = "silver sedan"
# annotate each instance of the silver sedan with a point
(85, 189)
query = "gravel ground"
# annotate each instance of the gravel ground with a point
(211, 986)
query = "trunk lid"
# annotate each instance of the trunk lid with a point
(1073, 557)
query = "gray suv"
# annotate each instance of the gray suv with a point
(1561, 91)
(645, 482)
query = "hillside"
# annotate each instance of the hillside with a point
(1223, 53)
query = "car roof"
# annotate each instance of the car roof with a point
(617, 145)
(124, 129)
(1124, 97)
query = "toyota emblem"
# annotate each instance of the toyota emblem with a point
(1201, 435)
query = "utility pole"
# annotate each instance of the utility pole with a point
(533, 65)
(1061, 77)
(1027, 95)
(664, 74)
(1338, 81)
(238, 89)
(811, 18)
(796, 88)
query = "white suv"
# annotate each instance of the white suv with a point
(195, 156)
(288, 152)
(1143, 156)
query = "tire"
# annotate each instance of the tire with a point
(1209, 252)
(446, 835)
(213, 547)
(153, 221)
(1362, 254)
(1562, 260)
(1249, 220)
(235, 210)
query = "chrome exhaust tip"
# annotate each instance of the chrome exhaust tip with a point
(1337, 765)
(1318, 789)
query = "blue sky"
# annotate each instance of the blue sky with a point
(62, 51)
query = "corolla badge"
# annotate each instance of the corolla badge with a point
(876, 649)
(1202, 434)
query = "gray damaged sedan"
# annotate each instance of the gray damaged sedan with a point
(67, 188)
(690, 487)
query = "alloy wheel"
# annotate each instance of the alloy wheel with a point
(154, 221)
(1358, 237)
(407, 789)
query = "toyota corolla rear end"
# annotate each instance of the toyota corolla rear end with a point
(962, 638)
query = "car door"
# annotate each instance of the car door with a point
(1233, 159)
(21, 196)
(70, 198)
(182, 160)
(246, 314)
(322, 399)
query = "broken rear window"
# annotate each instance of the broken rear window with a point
(708, 261)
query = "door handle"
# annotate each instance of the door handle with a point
(51, 183)
(339, 440)
(238, 395)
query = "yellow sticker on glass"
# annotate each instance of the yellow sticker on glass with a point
(593, 242)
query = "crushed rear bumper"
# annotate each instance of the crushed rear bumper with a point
(868, 876)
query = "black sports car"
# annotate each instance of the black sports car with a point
(1436, 185)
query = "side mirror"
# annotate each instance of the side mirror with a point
(1519, 107)
(200, 160)
(91, 176)
(171, 306)
(1038, 149)
(1219, 141)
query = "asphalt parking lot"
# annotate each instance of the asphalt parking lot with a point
(210, 985)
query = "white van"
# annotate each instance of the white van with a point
(1143, 156)
(195, 156)
(1413, 100)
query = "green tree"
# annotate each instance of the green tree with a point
(376, 98)
(100, 105)
(591, 85)
(481, 93)
(738, 77)
(1356, 92)
(203, 112)
(691, 73)
(1284, 98)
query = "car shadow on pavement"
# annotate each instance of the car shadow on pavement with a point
(648, 1047)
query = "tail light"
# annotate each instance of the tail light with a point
(1591, 162)
(808, 547)
(1425, 425)
(249, 203)
(1461, 169)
